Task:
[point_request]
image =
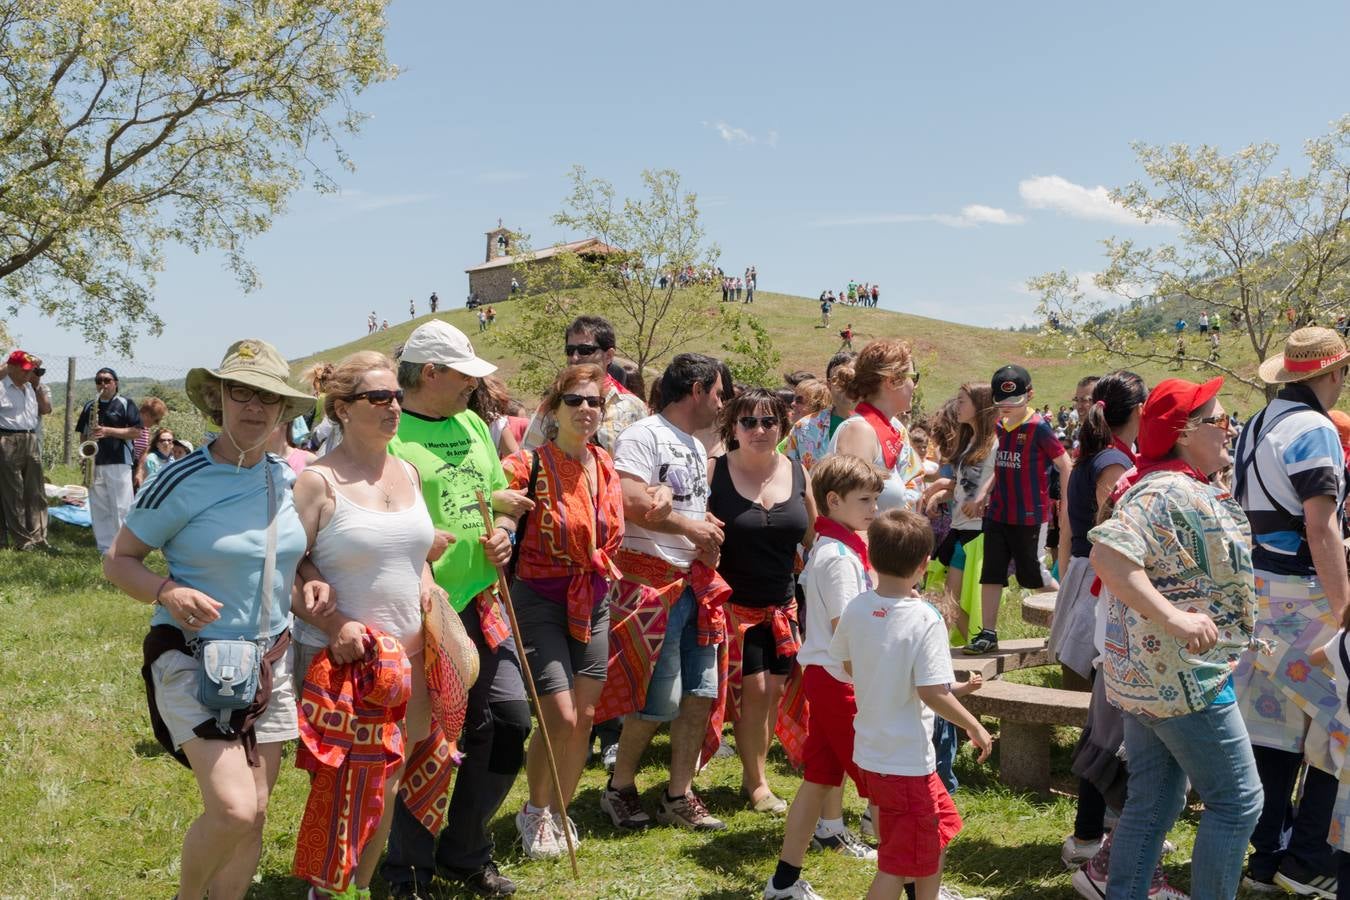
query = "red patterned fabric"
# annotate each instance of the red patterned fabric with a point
(495, 627)
(892, 442)
(638, 605)
(570, 534)
(790, 725)
(351, 744)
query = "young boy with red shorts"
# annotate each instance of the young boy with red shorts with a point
(894, 645)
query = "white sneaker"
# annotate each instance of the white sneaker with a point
(610, 757)
(801, 890)
(536, 834)
(1075, 852)
(950, 893)
(556, 821)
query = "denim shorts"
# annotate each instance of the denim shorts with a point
(682, 667)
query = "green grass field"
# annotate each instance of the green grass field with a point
(947, 354)
(96, 809)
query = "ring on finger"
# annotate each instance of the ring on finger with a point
(191, 620)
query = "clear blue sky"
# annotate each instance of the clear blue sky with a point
(946, 152)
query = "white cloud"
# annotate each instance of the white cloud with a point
(1061, 195)
(970, 216)
(362, 201)
(739, 136)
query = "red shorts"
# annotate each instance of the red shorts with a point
(918, 821)
(828, 754)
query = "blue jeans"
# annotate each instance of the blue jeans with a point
(945, 746)
(683, 666)
(1211, 748)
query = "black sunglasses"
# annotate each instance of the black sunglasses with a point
(103, 381)
(581, 349)
(575, 400)
(378, 398)
(768, 423)
(241, 393)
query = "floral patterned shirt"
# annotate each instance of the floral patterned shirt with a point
(809, 440)
(1193, 541)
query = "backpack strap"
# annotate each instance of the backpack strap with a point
(524, 520)
(1246, 461)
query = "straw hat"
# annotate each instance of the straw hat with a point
(254, 363)
(1308, 353)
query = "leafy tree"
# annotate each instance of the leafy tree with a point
(633, 282)
(126, 125)
(1256, 248)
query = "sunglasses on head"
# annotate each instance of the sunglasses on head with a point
(575, 400)
(768, 423)
(242, 393)
(378, 398)
(580, 349)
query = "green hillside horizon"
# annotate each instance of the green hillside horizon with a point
(948, 354)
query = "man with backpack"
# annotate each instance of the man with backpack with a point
(1289, 477)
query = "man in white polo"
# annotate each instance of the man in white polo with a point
(23, 501)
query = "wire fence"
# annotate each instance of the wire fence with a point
(70, 379)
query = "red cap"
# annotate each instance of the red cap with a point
(22, 359)
(1165, 413)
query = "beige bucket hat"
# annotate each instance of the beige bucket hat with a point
(1308, 352)
(254, 363)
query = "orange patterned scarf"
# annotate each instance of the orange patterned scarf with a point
(638, 605)
(570, 534)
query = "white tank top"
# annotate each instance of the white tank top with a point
(373, 561)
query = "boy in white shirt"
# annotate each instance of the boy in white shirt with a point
(845, 489)
(894, 645)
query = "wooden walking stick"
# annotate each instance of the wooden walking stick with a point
(505, 590)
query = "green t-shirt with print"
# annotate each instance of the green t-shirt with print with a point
(455, 457)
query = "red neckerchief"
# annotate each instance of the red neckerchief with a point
(887, 435)
(1124, 448)
(614, 383)
(831, 529)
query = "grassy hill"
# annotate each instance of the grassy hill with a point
(947, 354)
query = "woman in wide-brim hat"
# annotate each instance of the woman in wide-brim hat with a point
(209, 514)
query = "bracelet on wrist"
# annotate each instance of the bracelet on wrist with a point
(159, 591)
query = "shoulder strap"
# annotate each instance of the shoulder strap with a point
(523, 522)
(270, 560)
(1259, 429)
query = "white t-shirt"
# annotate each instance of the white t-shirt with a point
(967, 483)
(657, 452)
(18, 406)
(895, 645)
(832, 578)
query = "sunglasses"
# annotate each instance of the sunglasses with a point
(1224, 421)
(912, 376)
(575, 401)
(103, 381)
(163, 440)
(378, 398)
(768, 423)
(580, 349)
(241, 393)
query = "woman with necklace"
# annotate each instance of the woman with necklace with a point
(884, 379)
(763, 499)
(562, 576)
(209, 514)
(369, 535)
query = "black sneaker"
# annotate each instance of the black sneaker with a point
(984, 642)
(1304, 883)
(484, 882)
(624, 808)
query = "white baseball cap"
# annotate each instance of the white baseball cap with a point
(445, 345)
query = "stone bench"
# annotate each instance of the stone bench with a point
(1039, 608)
(1012, 654)
(1026, 714)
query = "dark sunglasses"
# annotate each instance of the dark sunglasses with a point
(768, 423)
(378, 398)
(575, 400)
(581, 349)
(241, 393)
(1224, 421)
(913, 376)
(103, 381)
